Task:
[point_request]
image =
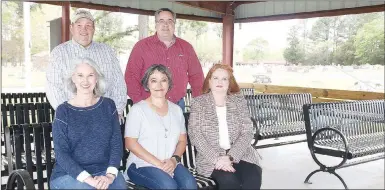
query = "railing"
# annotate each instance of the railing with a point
(318, 94)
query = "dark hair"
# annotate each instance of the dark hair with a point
(164, 9)
(156, 67)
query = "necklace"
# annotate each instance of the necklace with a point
(162, 121)
(162, 118)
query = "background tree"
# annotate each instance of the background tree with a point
(199, 28)
(109, 30)
(12, 33)
(255, 50)
(345, 53)
(294, 53)
(321, 36)
(39, 36)
(369, 43)
(181, 27)
(218, 28)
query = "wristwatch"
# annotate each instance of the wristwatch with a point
(177, 158)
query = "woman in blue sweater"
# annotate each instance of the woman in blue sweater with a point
(86, 134)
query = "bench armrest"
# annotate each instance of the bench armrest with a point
(22, 177)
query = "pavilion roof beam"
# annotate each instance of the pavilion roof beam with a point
(324, 13)
(127, 10)
(215, 6)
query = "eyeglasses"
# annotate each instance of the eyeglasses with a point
(164, 22)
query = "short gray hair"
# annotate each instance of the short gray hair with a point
(164, 9)
(100, 87)
(156, 67)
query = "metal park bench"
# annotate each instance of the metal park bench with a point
(40, 159)
(13, 98)
(277, 115)
(247, 91)
(352, 131)
(20, 113)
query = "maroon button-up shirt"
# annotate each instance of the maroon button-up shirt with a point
(180, 58)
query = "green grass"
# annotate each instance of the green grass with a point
(13, 77)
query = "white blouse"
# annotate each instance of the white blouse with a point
(224, 140)
(158, 135)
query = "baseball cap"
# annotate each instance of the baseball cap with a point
(82, 13)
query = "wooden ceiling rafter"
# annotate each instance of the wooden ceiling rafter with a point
(213, 6)
(220, 7)
(130, 10)
(324, 13)
(223, 8)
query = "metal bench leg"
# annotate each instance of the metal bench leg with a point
(339, 177)
(331, 172)
(324, 168)
(311, 174)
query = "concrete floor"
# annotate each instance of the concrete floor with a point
(286, 167)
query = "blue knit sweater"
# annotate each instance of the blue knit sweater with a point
(87, 138)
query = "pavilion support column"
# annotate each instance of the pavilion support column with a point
(228, 39)
(65, 22)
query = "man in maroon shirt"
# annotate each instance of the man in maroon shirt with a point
(167, 49)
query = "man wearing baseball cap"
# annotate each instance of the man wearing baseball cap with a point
(82, 30)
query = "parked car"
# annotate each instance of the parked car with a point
(263, 79)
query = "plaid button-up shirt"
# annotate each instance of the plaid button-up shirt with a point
(62, 57)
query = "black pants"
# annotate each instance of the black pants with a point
(246, 176)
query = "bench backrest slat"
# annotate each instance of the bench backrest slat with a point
(37, 131)
(271, 111)
(27, 130)
(25, 97)
(355, 118)
(18, 145)
(47, 131)
(247, 91)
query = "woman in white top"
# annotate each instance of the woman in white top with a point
(155, 134)
(220, 128)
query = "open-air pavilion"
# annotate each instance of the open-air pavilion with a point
(231, 12)
(284, 166)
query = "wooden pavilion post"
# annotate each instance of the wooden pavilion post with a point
(65, 22)
(228, 36)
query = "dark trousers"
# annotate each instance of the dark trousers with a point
(246, 176)
(182, 105)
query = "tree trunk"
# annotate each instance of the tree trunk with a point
(143, 26)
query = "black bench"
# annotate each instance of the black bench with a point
(41, 158)
(277, 115)
(352, 131)
(26, 113)
(188, 97)
(40, 97)
(13, 98)
(187, 100)
(247, 91)
(20, 113)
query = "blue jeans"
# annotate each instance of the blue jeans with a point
(68, 182)
(181, 104)
(155, 178)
